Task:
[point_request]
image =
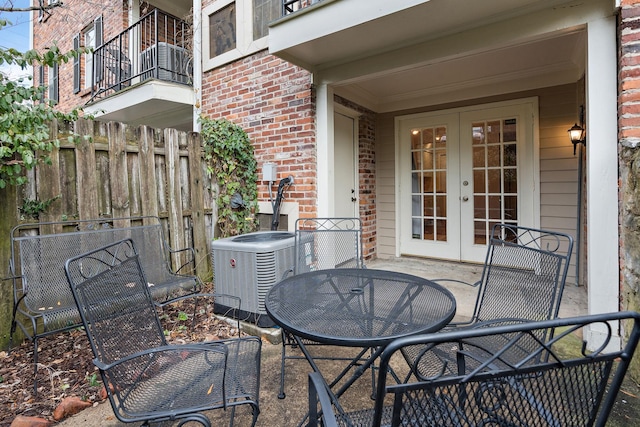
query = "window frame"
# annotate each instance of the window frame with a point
(53, 77)
(87, 58)
(245, 45)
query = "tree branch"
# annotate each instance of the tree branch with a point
(31, 8)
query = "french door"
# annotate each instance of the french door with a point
(462, 171)
(345, 161)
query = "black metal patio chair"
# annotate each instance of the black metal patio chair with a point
(147, 379)
(320, 244)
(523, 279)
(560, 382)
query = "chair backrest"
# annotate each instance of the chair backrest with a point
(115, 304)
(524, 274)
(322, 243)
(38, 259)
(478, 381)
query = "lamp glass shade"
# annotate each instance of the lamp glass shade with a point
(575, 133)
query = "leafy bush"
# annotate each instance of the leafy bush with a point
(230, 159)
(25, 115)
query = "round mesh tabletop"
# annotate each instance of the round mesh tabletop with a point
(359, 307)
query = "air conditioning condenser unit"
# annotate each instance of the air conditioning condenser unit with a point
(247, 266)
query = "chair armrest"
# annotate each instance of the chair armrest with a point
(473, 285)
(287, 273)
(318, 393)
(191, 260)
(472, 324)
(499, 322)
(170, 250)
(215, 347)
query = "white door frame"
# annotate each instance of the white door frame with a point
(352, 172)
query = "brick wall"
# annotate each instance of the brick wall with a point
(272, 101)
(629, 91)
(62, 25)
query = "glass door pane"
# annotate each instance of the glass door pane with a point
(429, 183)
(495, 175)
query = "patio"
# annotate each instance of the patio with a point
(288, 412)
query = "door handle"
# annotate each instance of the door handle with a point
(465, 199)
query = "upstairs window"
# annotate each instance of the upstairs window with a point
(236, 28)
(83, 66)
(89, 38)
(52, 78)
(222, 27)
(264, 13)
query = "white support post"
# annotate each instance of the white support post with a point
(602, 172)
(324, 150)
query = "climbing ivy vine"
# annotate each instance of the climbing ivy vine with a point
(230, 160)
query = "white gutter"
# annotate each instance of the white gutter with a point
(197, 63)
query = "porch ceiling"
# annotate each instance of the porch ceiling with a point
(550, 62)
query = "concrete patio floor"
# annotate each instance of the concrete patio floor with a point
(574, 298)
(289, 411)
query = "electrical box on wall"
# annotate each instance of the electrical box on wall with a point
(269, 172)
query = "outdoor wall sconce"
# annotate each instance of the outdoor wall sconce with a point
(576, 133)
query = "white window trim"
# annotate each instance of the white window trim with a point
(87, 77)
(53, 84)
(245, 45)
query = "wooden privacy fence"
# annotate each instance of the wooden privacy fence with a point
(124, 171)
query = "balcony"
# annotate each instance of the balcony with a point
(144, 74)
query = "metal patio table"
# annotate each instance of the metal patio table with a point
(358, 307)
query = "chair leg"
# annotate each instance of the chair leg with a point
(233, 416)
(198, 418)
(281, 395)
(256, 412)
(35, 365)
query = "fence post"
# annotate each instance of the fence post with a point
(87, 182)
(118, 171)
(196, 182)
(174, 195)
(148, 181)
(9, 215)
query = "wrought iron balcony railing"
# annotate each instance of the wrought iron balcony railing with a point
(157, 46)
(290, 6)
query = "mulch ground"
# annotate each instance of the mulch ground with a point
(65, 366)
